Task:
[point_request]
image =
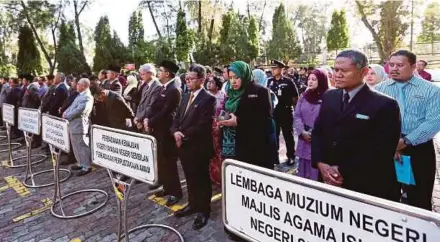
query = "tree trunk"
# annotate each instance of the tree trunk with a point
(40, 43)
(154, 19)
(260, 27)
(373, 32)
(200, 17)
(54, 38)
(78, 27)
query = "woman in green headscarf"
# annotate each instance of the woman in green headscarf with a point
(246, 134)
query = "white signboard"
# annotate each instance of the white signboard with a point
(128, 153)
(265, 205)
(29, 120)
(55, 132)
(8, 113)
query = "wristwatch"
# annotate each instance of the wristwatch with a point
(406, 141)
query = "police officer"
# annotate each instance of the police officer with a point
(287, 93)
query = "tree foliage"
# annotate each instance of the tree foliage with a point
(103, 42)
(41, 17)
(284, 44)
(337, 36)
(135, 29)
(431, 24)
(28, 59)
(6, 29)
(387, 22)
(184, 38)
(253, 39)
(70, 57)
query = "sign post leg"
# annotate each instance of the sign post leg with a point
(29, 173)
(8, 134)
(122, 191)
(58, 199)
(56, 155)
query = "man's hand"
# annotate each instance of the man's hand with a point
(401, 145)
(135, 120)
(178, 137)
(128, 123)
(147, 129)
(330, 174)
(306, 136)
(232, 122)
(64, 115)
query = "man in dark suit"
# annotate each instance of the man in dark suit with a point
(356, 133)
(113, 83)
(192, 132)
(110, 108)
(14, 98)
(57, 96)
(158, 123)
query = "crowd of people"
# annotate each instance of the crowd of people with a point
(353, 121)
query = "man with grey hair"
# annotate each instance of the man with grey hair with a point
(356, 133)
(149, 88)
(56, 96)
(78, 114)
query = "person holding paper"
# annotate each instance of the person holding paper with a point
(356, 132)
(419, 103)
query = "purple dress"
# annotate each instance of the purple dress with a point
(305, 116)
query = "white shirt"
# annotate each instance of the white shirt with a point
(196, 93)
(353, 92)
(166, 84)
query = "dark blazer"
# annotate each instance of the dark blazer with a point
(14, 97)
(253, 135)
(361, 141)
(196, 123)
(72, 95)
(112, 112)
(116, 86)
(31, 99)
(55, 100)
(164, 108)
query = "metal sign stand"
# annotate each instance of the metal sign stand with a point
(9, 150)
(28, 138)
(122, 191)
(58, 199)
(30, 175)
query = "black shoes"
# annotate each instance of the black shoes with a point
(201, 221)
(75, 167)
(83, 172)
(172, 200)
(186, 211)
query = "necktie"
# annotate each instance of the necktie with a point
(345, 101)
(191, 98)
(401, 100)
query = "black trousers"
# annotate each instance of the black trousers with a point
(423, 163)
(167, 163)
(284, 122)
(196, 169)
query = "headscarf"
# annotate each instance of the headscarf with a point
(380, 72)
(132, 83)
(243, 71)
(315, 95)
(260, 77)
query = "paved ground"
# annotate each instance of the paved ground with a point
(25, 213)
